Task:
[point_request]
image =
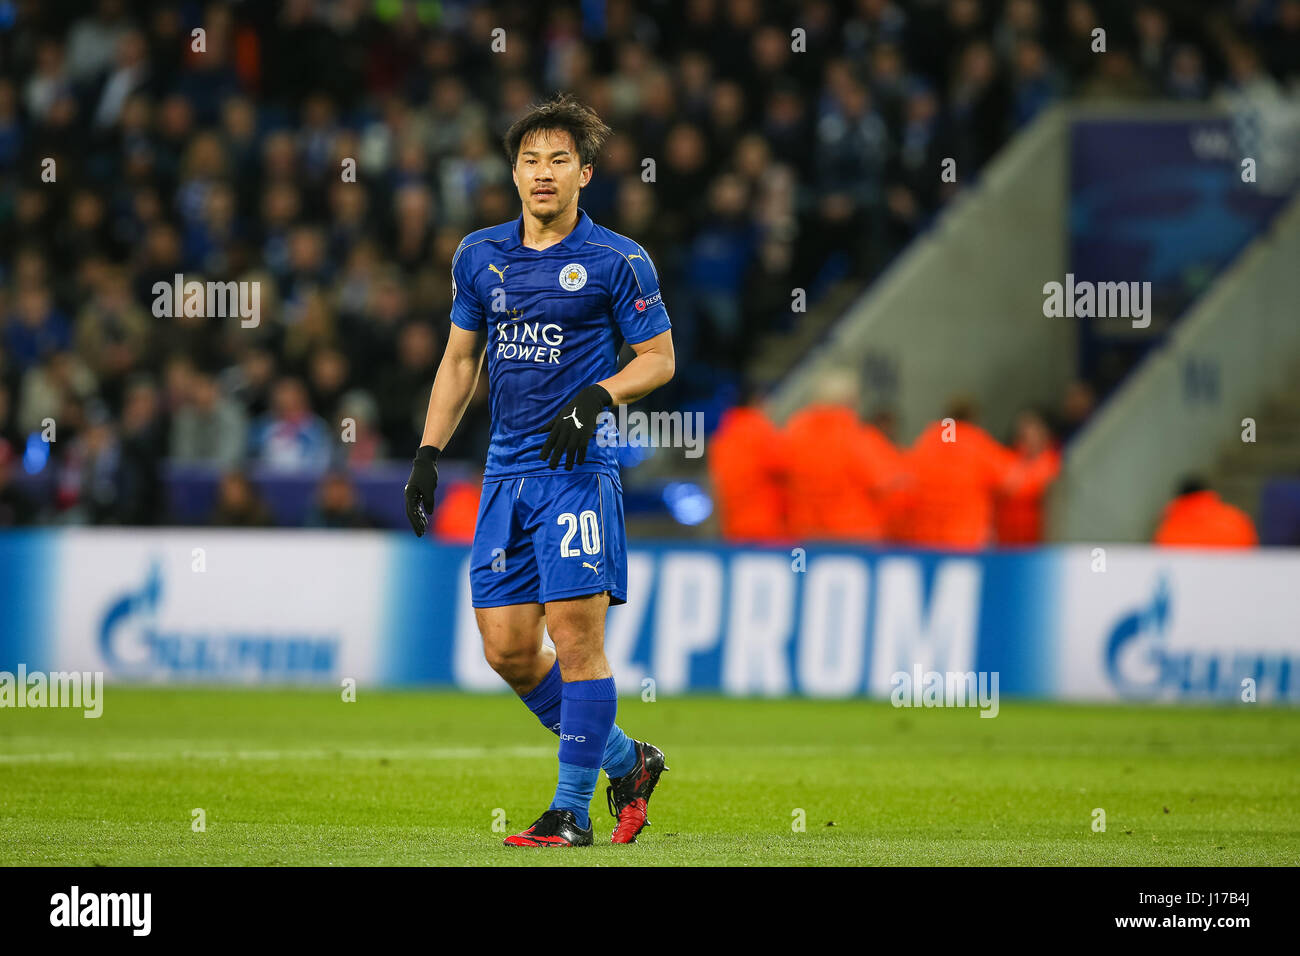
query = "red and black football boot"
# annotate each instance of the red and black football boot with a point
(629, 795)
(553, 828)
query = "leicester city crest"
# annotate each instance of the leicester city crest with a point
(573, 277)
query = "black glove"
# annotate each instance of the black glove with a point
(571, 430)
(420, 487)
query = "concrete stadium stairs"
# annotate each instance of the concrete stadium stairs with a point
(1243, 468)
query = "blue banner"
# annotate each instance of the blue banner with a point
(292, 607)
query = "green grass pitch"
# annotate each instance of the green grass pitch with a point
(299, 777)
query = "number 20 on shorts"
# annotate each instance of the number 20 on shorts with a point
(590, 533)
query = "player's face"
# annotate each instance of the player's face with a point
(548, 174)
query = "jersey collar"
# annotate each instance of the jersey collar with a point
(571, 242)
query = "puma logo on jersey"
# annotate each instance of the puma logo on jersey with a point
(574, 415)
(595, 568)
(635, 255)
(500, 272)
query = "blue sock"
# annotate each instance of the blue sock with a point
(544, 701)
(574, 790)
(620, 754)
(587, 709)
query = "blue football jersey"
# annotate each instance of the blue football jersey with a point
(555, 320)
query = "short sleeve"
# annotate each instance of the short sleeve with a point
(637, 302)
(466, 310)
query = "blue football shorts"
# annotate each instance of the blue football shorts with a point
(546, 537)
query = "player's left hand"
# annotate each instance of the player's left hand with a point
(572, 429)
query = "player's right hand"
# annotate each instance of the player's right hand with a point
(420, 488)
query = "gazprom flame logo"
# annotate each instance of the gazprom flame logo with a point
(126, 634)
(1135, 651)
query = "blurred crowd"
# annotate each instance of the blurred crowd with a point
(829, 475)
(745, 168)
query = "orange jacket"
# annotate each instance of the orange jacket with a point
(841, 473)
(1019, 509)
(951, 487)
(1203, 519)
(747, 465)
(455, 515)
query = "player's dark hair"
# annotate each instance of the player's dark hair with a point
(564, 113)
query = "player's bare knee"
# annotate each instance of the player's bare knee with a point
(581, 655)
(511, 662)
